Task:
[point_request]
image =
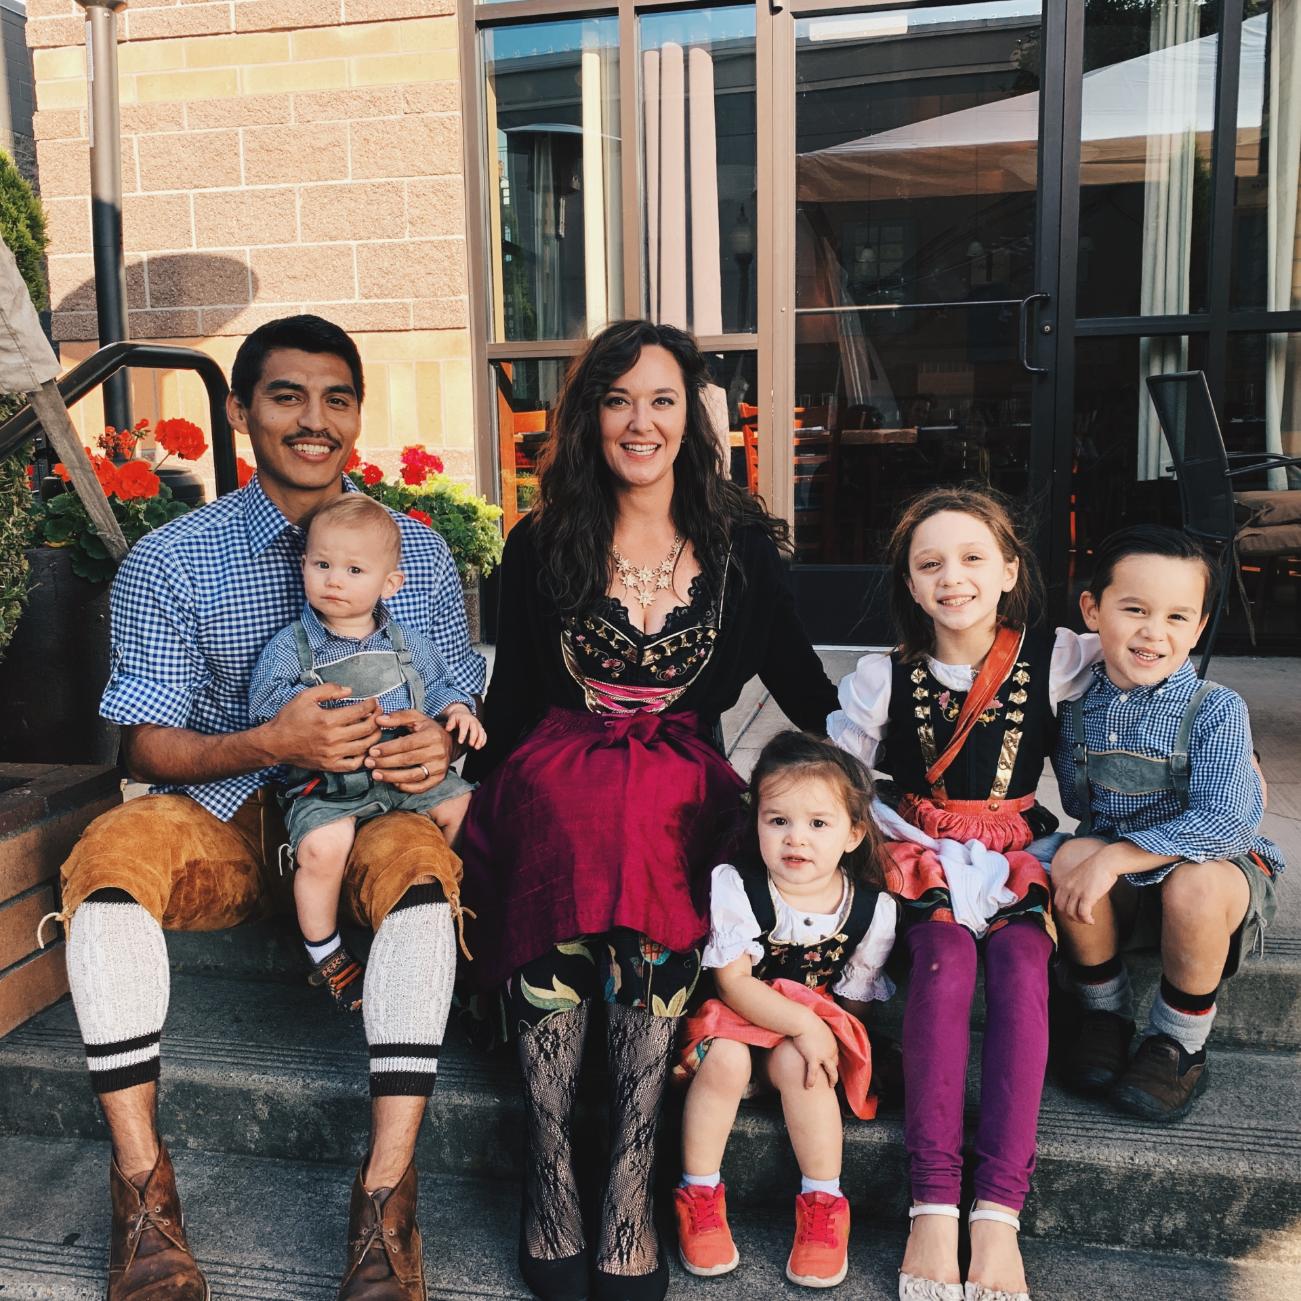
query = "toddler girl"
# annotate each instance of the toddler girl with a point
(800, 918)
(962, 717)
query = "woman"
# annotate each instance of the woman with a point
(639, 596)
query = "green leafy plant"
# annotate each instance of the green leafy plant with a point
(469, 524)
(22, 227)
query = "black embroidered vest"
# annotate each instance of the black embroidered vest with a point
(815, 965)
(1004, 754)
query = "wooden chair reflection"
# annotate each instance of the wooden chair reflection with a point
(519, 438)
(815, 449)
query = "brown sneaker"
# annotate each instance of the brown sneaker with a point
(385, 1260)
(339, 973)
(1099, 1052)
(148, 1255)
(1163, 1081)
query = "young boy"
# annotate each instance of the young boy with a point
(1158, 767)
(345, 636)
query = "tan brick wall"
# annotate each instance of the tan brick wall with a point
(278, 156)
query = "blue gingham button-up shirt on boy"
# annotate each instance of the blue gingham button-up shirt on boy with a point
(277, 677)
(195, 602)
(1225, 798)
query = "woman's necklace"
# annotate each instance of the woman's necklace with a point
(645, 583)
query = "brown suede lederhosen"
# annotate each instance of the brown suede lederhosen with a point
(193, 872)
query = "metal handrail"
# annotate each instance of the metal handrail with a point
(111, 358)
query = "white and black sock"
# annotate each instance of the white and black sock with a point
(120, 981)
(408, 993)
(319, 950)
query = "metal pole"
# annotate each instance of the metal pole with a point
(105, 128)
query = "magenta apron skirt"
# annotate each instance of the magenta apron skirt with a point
(595, 821)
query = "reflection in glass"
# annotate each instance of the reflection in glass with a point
(698, 123)
(551, 105)
(1145, 158)
(1262, 406)
(1266, 261)
(526, 392)
(733, 407)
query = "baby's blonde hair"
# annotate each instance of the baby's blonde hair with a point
(356, 511)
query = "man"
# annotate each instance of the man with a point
(192, 607)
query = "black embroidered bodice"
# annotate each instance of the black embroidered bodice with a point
(1004, 754)
(815, 965)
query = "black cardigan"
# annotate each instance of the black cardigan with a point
(760, 634)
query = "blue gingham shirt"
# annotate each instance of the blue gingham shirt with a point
(195, 602)
(1225, 798)
(277, 676)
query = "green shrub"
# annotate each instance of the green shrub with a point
(22, 226)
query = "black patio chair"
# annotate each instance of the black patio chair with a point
(1205, 472)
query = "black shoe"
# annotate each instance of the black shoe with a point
(565, 1279)
(632, 1287)
(1163, 1081)
(1099, 1052)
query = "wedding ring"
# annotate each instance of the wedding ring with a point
(424, 770)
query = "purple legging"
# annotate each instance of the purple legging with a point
(936, 1035)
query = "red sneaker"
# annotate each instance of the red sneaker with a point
(705, 1244)
(820, 1256)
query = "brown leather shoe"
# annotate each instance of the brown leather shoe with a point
(1098, 1052)
(1163, 1081)
(148, 1257)
(385, 1262)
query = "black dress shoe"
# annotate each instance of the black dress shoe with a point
(632, 1287)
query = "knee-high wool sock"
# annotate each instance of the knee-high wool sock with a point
(408, 993)
(118, 974)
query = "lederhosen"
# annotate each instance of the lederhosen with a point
(367, 675)
(814, 965)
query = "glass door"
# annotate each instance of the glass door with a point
(923, 280)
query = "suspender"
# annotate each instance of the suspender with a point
(1176, 764)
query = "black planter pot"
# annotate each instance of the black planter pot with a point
(55, 668)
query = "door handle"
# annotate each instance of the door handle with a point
(1023, 333)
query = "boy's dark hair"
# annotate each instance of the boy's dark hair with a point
(795, 755)
(307, 334)
(1018, 608)
(1150, 540)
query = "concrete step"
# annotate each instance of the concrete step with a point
(259, 1069)
(1258, 1008)
(267, 1230)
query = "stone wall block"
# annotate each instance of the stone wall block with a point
(164, 325)
(411, 146)
(47, 33)
(238, 51)
(440, 314)
(187, 20)
(59, 124)
(72, 283)
(68, 223)
(436, 206)
(288, 15)
(52, 9)
(343, 212)
(347, 105)
(433, 97)
(368, 11)
(153, 118)
(190, 160)
(226, 218)
(241, 321)
(281, 155)
(198, 279)
(423, 268)
(151, 222)
(65, 168)
(358, 317)
(247, 110)
(301, 274)
(74, 326)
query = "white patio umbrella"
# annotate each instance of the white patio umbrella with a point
(28, 366)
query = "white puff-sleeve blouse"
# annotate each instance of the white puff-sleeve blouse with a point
(734, 931)
(859, 725)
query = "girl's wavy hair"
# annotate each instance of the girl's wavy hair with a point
(573, 520)
(1018, 608)
(793, 756)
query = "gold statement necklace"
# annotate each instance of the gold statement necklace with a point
(645, 583)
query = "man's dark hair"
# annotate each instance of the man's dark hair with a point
(307, 334)
(1150, 540)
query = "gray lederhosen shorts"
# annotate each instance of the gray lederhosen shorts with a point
(305, 813)
(1144, 932)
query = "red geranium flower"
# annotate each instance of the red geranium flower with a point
(353, 462)
(61, 472)
(136, 479)
(418, 465)
(243, 471)
(371, 475)
(421, 517)
(107, 473)
(181, 437)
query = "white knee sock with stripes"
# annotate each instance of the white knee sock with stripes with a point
(120, 981)
(408, 993)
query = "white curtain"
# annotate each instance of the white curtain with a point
(1167, 211)
(685, 279)
(1283, 351)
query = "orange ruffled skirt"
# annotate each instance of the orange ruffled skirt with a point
(715, 1020)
